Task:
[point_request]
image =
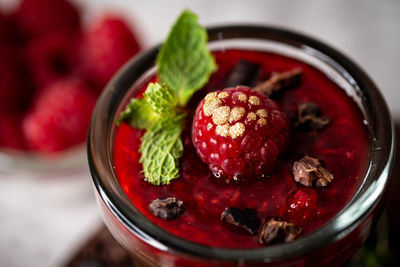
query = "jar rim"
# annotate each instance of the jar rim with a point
(363, 202)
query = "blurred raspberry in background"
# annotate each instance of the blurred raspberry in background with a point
(58, 119)
(37, 18)
(108, 44)
(52, 69)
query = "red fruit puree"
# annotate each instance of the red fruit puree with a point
(342, 145)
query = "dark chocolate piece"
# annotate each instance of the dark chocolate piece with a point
(277, 231)
(280, 81)
(310, 171)
(309, 118)
(244, 218)
(244, 73)
(166, 208)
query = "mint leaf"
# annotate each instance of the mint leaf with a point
(184, 66)
(161, 149)
(161, 98)
(138, 114)
(184, 62)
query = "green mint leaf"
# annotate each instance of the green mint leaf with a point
(138, 114)
(184, 62)
(161, 149)
(184, 66)
(161, 98)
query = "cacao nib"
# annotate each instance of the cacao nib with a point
(310, 171)
(244, 73)
(244, 218)
(277, 231)
(309, 118)
(166, 208)
(280, 81)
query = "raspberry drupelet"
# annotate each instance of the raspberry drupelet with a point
(239, 133)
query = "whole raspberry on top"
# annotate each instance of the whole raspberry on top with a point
(239, 133)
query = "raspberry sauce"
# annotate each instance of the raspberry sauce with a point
(342, 145)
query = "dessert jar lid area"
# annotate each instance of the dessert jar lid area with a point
(331, 62)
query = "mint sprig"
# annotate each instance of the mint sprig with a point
(184, 66)
(161, 98)
(159, 101)
(184, 62)
(138, 114)
(161, 149)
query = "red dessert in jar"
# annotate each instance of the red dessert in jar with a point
(342, 145)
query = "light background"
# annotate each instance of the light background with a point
(44, 217)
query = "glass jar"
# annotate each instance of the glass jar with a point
(332, 243)
(16, 161)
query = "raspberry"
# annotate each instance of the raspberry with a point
(60, 118)
(9, 30)
(41, 17)
(3, 27)
(11, 132)
(301, 204)
(4, 31)
(12, 93)
(52, 57)
(239, 133)
(108, 44)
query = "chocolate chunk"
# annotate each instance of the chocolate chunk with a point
(244, 73)
(277, 231)
(245, 218)
(309, 118)
(280, 81)
(310, 171)
(166, 208)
